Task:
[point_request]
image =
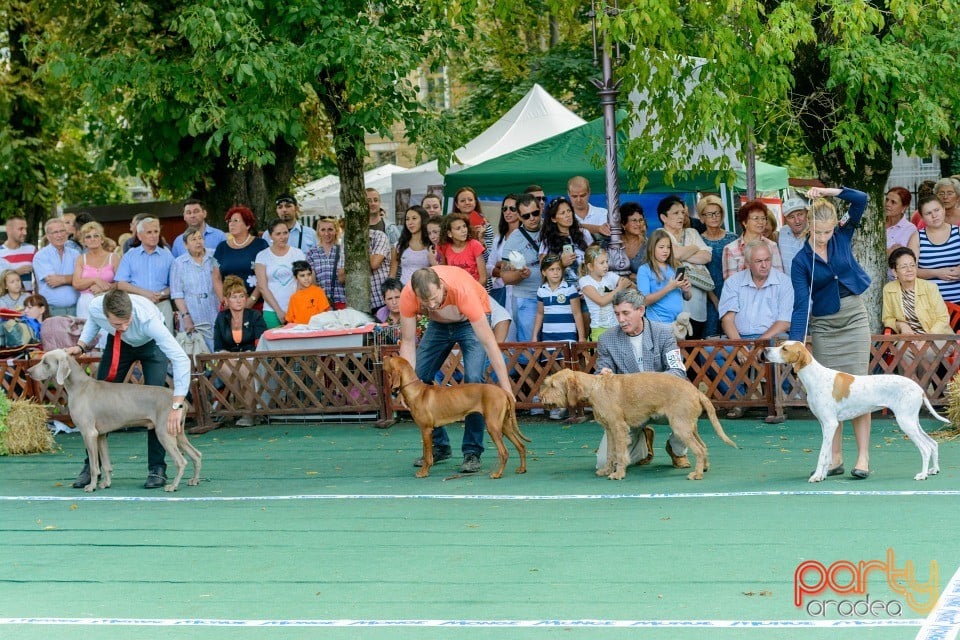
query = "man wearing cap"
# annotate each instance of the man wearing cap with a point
(195, 215)
(301, 237)
(638, 345)
(794, 233)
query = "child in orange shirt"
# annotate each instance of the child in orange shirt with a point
(309, 299)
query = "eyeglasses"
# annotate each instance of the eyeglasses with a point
(505, 209)
(532, 214)
(712, 214)
(541, 198)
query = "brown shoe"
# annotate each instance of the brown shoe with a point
(679, 462)
(648, 436)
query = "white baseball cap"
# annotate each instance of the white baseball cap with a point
(794, 204)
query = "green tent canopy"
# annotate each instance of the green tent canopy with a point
(551, 162)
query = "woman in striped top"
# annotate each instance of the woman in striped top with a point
(939, 260)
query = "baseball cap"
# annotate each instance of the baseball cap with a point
(794, 204)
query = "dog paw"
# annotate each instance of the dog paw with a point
(617, 475)
(920, 476)
(90, 488)
(521, 469)
(816, 478)
(604, 471)
(496, 476)
(422, 473)
(192, 482)
(694, 475)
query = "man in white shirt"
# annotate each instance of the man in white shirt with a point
(794, 232)
(592, 218)
(17, 253)
(136, 332)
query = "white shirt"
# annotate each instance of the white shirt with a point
(146, 324)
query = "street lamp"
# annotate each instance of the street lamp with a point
(609, 89)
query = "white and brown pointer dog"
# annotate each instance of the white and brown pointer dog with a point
(834, 396)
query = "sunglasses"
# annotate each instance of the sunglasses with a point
(505, 209)
(527, 216)
(281, 201)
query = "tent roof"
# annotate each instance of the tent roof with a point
(323, 196)
(536, 116)
(551, 162)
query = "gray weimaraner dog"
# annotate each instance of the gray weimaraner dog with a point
(97, 408)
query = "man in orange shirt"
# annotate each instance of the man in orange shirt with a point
(309, 299)
(458, 307)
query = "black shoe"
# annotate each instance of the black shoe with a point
(439, 454)
(83, 479)
(156, 478)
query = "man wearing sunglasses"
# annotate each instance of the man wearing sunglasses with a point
(537, 192)
(525, 241)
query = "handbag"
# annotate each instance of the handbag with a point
(698, 274)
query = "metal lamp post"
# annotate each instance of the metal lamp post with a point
(609, 90)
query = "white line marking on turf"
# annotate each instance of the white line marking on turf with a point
(442, 496)
(943, 623)
(716, 624)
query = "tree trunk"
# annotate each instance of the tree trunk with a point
(250, 185)
(356, 220)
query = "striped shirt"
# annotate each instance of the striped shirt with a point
(939, 256)
(558, 321)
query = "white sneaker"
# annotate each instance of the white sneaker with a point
(245, 421)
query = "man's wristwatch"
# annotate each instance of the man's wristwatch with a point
(82, 347)
(177, 406)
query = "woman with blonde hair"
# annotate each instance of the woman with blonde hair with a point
(827, 284)
(96, 269)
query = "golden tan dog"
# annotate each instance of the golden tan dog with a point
(432, 406)
(622, 401)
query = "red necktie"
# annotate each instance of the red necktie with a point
(114, 357)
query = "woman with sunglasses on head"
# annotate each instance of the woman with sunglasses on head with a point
(563, 236)
(95, 270)
(509, 221)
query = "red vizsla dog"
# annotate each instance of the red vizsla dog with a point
(432, 406)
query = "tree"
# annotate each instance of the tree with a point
(219, 97)
(859, 77)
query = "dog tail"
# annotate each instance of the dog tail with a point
(936, 415)
(712, 416)
(511, 419)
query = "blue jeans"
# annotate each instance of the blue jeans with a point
(437, 342)
(525, 314)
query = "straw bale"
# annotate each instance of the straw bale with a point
(23, 430)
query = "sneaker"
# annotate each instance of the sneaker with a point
(439, 454)
(559, 414)
(245, 421)
(471, 463)
(83, 478)
(537, 411)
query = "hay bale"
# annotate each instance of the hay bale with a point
(23, 430)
